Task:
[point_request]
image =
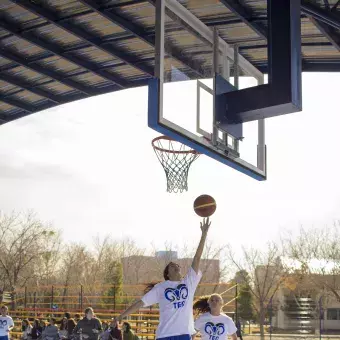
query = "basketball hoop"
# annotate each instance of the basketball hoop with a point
(176, 159)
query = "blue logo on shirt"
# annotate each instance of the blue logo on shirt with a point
(177, 295)
(3, 324)
(214, 331)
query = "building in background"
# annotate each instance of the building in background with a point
(139, 269)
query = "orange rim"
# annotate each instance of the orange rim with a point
(167, 150)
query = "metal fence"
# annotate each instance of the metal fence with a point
(102, 297)
(106, 300)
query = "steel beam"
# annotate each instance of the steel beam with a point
(139, 32)
(311, 66)
(245, 15)
(321, 66)
(31, 38)
(40, 92)
(331, 18)
(206, 33)
(282, 94)
(306, 44)
(17, 103)
(29, 109)
(56, 76)
(329, 32)
(132, 28)
(327, 21)
(81, 34)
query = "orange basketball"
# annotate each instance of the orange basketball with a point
(204, 205)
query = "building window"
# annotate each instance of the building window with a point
(332, 314)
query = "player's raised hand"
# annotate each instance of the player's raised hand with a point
(205, 224)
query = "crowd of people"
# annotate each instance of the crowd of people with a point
(175, 297)
(87, 328)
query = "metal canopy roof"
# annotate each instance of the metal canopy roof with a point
(57, 51)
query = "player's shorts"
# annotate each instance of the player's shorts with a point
(175, 337)
(4, 337)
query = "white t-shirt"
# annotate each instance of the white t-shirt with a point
(175, 299)
(215, 327)
(5, 323)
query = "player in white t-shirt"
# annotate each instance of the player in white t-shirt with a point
(212, 323)
(175, 297)
(6, 323)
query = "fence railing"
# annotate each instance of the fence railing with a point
(103, 297)
(107, 301)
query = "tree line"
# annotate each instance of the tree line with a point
(304, 263)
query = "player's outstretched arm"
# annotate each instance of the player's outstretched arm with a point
(133, 308)
(197, 258)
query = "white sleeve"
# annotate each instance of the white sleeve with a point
(199, 323)
(152, 297)
(231, 326)
(10, 322)
(193, 278)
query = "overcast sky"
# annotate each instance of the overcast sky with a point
(89, 168)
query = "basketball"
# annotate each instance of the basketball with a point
(204, 205)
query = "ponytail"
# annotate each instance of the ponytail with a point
(149, 286)
(201, 305)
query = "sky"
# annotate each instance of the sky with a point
(89, 168)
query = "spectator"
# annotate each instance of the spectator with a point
(239, 331)
(89, 325)
(51, 332)
(115, 332)
(43, 325)
(128, 334)
(63, 328)
(105, 326)
(36, 330)
(26, 329)
(112, 332)
(71, 323)
(6, 323)
(76, 318)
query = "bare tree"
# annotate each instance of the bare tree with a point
(24, 241)
(46, 267)
(74, 267)
(265, 273)
(316, 253)
(213, 265)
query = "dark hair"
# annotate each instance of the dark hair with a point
(62, 325)
(166, 270)
(150, 285)
(67, 315)
(53, 320)
(36, 323)
(77, 316)
(89, 309)
(201, 305)
(128, 326)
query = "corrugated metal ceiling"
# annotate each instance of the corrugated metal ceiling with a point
(56, 51)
